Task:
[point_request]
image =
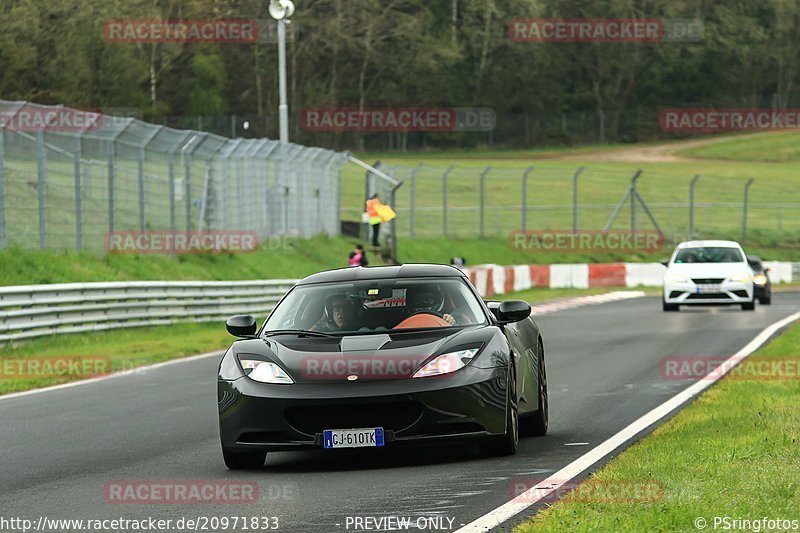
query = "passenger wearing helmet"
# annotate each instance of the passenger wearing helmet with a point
(427, 298)
(341, 314)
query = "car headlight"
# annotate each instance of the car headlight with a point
(446, 363)
(674, 277)
(264, 371)
(760, 279)
(741, 277)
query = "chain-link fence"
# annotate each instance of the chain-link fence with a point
(70, 179)
(470, 200)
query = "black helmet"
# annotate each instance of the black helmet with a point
(336, 297)
(427, 297)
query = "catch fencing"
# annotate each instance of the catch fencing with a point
(493, 201)
(69, 179)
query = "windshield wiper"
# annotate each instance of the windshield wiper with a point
(298, 332)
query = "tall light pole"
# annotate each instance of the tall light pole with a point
(282, 11)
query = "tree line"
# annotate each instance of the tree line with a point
(405, 53)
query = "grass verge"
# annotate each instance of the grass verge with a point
(124, 349)
(734, 452)
(294, 259)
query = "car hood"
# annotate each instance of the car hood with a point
(709, 270)
(382, 356)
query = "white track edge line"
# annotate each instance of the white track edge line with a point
(533, 495)
(137, 370)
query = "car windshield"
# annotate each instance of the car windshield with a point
(378, 305)
(709, 255)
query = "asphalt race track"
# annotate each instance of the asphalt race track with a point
(59, 449)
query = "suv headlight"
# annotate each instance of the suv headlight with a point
(264, 371)
(760, 279)
(741, 277)
(674, 277)
(447, 363)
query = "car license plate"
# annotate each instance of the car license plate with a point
(353, 438)
(709, 289)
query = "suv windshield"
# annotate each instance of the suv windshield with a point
(378, 305)
(709, 255)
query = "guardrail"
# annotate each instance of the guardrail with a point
(38, 310)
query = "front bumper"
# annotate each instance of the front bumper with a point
(690, 293)
(467, 404)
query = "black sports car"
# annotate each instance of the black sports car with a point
(382, 356)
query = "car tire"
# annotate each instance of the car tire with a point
(536, 425)
(670, 308)
(750, 306)
(508, 443)
(243, 460)
(766, 300)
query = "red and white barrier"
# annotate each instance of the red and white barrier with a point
(496, 279)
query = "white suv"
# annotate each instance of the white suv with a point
(708, 273)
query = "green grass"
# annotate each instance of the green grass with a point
(784, 146)
(126, 349)
(735, 451)
(294, 259)
(283, 259)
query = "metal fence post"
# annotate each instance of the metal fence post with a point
(633, 200)
(172, 191)
(575, 199)
(3, 240)
(444, 199)
(187, 179)
(525, 193)
(41, 168)
(691, 206)
(413, 199)
(744, 215)
(78, 198)
(483, 196)
(111, 176)
(142, 161)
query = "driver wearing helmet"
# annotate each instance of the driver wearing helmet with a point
(428, 298)
(341, 314)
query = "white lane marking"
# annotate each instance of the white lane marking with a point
(137, 370)
(577, 444)
(533, 495)
(580, 301)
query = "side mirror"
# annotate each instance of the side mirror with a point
(242, 326)
(665, 262)
(513, 311)
(767, 270)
